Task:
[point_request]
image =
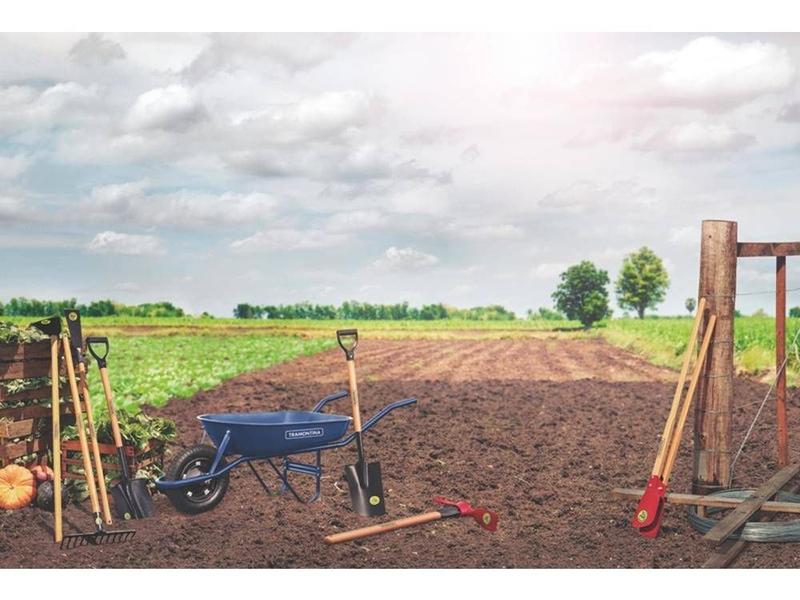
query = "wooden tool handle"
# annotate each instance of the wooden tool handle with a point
(98, 460)
(76, 406)
(698, 368)
(356, 534)
(669, 427)
(55, 399)
(112, 411)
(351, 373)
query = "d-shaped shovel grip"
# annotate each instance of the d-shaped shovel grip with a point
(349, 349)
(92, 342)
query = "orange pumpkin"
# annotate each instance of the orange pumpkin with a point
(42, 473)
(17, 487)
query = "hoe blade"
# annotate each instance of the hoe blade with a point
(132, 499)
(485, 518)
(366, 489)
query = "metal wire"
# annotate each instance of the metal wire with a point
(760, 408)
(777, 531)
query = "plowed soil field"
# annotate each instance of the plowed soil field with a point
(539, 430)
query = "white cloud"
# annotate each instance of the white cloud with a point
(12, 209)
(547, 270)
(182, 209)
(500, 231)
(356, 220)
(94, 49)
(584, 195)
(790, 113)
(127, 286)
(688, 235)
(229, 53)
(288, 239)
(405, 259)
(12, 167)
(24, 107)
(697, 139)
(707, 73)
(321, 116)
(111, 242)
(172, 108)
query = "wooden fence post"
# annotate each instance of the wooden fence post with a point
(714, 403)
(780, 356)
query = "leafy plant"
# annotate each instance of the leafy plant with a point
(642, 282)
(582, 293)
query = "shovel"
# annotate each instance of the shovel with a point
(650, 509)
(99, 535)
(484, 517)
(132, 499)
(52, 327)
(363, 479)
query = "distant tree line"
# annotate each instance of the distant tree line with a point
(354, 310)
(29, 307)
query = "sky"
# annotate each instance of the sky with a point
(469, 169)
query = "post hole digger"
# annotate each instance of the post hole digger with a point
(484, 517)
(650, 510)
(132, 499)
(363, 479)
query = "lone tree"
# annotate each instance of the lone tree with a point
(690, 305)
(642, 281)
(582, 294)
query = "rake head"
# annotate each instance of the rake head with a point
(96, 538)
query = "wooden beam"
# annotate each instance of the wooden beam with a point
(712, 501)
(780, 357)
(714, 403)
(727, 552)
(739, 515)
(748, 249)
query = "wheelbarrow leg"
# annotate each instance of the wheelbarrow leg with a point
(220, 451)
(260, 479)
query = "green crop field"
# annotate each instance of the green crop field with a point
(663, 341)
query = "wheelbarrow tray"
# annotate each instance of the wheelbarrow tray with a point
(271, 434)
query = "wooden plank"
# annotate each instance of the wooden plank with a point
(751, 249)
(37, 367)
(698, 500)
(780, 357)
(739, 515)
(21, 352)
(17, 429)
(31, 412)
(32, 394)
(714, 402)
(12, 451)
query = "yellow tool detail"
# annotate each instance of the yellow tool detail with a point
(374, 500)
(642, 516)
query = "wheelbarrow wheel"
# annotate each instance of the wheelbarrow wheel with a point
(204, 496)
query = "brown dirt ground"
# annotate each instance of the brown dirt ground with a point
(538, 430)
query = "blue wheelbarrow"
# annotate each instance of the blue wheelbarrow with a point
(197, 479)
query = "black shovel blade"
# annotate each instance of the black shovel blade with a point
(366, 493)
(132, 500)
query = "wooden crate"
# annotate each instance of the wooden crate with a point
(22, 361)
(71, 456)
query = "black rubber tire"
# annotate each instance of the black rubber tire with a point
(201, 498)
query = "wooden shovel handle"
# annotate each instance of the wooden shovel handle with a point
(355, 534)
(698, 368)
(98, 460)
(669, 427)
(55, 399)
(112, 411)
(76, 407)
(351, 375)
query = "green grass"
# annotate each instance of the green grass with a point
(663, 342)
(152, 369)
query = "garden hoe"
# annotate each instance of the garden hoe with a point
(487, 519)
(132, 499)
(363, 479)
(52, 327)
(99, 535)
(73, 318)
(650, 509)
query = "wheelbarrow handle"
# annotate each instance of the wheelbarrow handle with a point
(91, 343)
(349, 349)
